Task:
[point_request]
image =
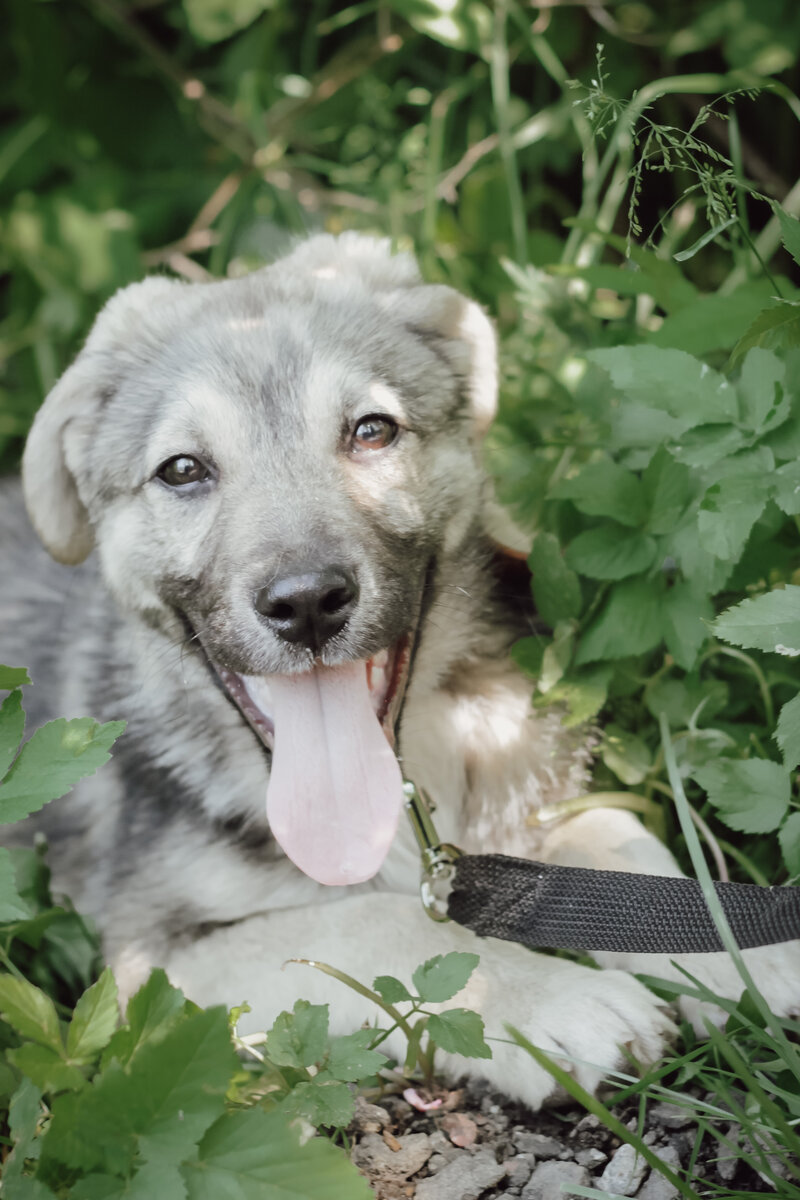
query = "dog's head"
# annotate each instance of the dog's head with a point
(278, 464)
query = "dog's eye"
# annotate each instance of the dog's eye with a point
(183, 470)
(373, 433)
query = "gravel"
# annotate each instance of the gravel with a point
(517, 1155)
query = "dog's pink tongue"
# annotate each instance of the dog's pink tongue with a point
(335, 788)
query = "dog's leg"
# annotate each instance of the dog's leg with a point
(615, 840)
(566, 1009)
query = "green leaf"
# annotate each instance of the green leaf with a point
(688, 614)
(25, 1111)
(762, 403)
(528, 654)
(751, 795)
(713, 322)
(786, 484)
(557, 656)
(790, 231)
(214, 20)
(583, 692)
(604, 489)
(625, 754)
(46, 1068)
(391, 989)
(151, 1013)
(12, 905)
(442, 976)
(459, 1031)
(631, 622)
(611, 552)
(254, 1155)
(299, 1038)
(787, 733)
(776, 328)
(30, 1012)
(95, 1018)
(729, 510)
(769, 622)
(668, 488)
(671, 381)
(789, 838)
(351, 1059)
(322, 1102)
(52, 762)
(708, 236)
(13, 677)
(12, 727)
(556, 590)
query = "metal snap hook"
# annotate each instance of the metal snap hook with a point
(438, 858)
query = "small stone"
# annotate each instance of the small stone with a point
(656, 1187)
(373, 1155)
(537, 1144)
(624, 1173)
(369, 1118)
(552, 1179)
(519, 1169)
(436, 1162)
(728, 1160)
(591, 1158)
(465, 1178)
(590, 1121)
(670, 1116)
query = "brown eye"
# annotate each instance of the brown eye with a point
(373, 433)
(183, 470)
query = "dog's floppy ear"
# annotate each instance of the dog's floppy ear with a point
(51, 462)
(465, 336)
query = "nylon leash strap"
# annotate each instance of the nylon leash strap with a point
(545, 906)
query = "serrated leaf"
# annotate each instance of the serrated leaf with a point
(12, 727)
(253, 1155)
(556, 590)
(669, 380)
(12, 905)
(729, 510)
(584, 694)
(776, 328)
(322, 1102)
(762, 403)
(604, 489)
(751, 795)
(668, 488)
(391, 989)
(151, 1013)
(786, 485)
(688, 614)
(631, 622)
(625, 754)
(299, 1038)
(442, 976)
(790, 232)
(52, 762)
(713, 322)
(13, 677)
(351, 1059)
(611, 552)
(459, 1031)
(789, 838)
(706, 445)
(30, 1012)
(24, 1113)
(769, 622)
(94, 1020)
(528, 654)
(46, 1068)
(787, 733)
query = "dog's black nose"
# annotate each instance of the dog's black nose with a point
(310, 607)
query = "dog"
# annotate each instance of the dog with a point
(267, 508)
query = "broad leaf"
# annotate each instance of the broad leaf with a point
(670, 380)
(625, 754)
(441, 977)
(459, 1031)
(604, 489)
(786, 485)
(254, 1155)
(728, 512)
(769, 622)
(299, 1038)
(13, 677)
(351, 1059)
(790, 232)
(668, 488)
(789, 838)
(391, 989)
(322, 1102)
(787, 733)
(556, 590)
(95, 1018)
(687, 619)
(12, 727)
(12, 905)
(751, 795)
(46, 1068)
(776, 328)
(762, 403)
(631, 622)
(151, 1014)
(611, 552)
(52, 762)
(24, 1114)
(30, 1012)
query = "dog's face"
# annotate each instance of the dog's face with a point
(274, 467)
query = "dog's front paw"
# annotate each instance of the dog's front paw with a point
(589, 1021)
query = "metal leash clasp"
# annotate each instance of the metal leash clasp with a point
(438, 859)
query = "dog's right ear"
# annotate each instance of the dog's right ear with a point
(53, 458)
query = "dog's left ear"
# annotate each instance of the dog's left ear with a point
(461, 330)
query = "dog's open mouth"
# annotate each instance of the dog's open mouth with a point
(335, 789)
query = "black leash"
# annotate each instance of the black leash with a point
(546, 906)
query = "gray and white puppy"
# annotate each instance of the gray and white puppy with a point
(280, 477)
